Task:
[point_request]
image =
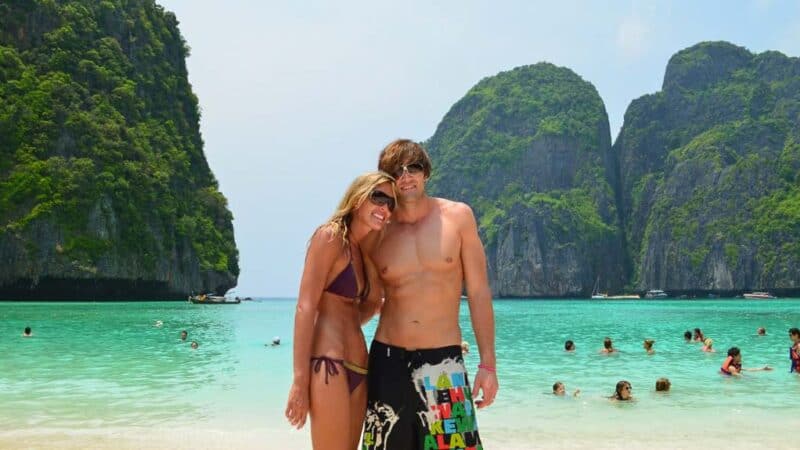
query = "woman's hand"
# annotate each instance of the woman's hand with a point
(297, 405)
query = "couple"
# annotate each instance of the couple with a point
(411, 391)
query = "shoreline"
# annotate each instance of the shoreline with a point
(658, 437)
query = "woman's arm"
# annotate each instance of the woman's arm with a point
(322, 253)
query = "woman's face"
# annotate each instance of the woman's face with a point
(378, 207)
(625, 392)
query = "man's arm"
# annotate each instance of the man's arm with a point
(473, 260)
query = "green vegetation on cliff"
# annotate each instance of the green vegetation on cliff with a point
(710, 172)
(100, 145)
(529, 150)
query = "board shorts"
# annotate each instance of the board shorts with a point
(419, 400)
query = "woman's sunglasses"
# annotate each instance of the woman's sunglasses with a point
(380, 198)
(412, 169)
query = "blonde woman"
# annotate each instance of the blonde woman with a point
(330, 353)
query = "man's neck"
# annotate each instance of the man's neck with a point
(411, 211)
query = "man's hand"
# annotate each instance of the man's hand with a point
(485, 381)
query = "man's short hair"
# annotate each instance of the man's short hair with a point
(402, 152)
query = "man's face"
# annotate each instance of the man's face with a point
(410, 180)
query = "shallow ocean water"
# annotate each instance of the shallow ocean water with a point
(103, 373)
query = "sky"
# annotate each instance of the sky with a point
(298, 98)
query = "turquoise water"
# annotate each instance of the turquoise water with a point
(106, 366)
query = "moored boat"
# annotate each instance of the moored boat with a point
(596, 294)
(655, 293)
(758, 295)
(209, 299)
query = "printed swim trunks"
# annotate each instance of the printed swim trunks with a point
(419, 400)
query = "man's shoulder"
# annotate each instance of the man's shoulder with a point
(452, 207)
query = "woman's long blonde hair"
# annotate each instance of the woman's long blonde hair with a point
(339, 223)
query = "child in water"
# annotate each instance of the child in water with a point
(794, 350)
(560, 390)
(733, 364)
(648, 346)
(708, 346)
(663, 385)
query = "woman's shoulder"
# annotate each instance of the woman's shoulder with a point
(326, 238)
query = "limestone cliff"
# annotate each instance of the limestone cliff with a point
(529, 150)
(105, 192)
(709, 173)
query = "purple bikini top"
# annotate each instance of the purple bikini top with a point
(346, 283)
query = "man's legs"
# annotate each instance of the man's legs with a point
(389, 419)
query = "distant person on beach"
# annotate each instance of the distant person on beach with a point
(464, 347)
(761, 331)
(560, 390)
(698, 335)
(687, 336)
(623, 391)
(184, 335)
(663, 385)
(27, 332)
(794, 350)
(195, 345)
(733, 364)
(429, 252)
(708, 346)
(608, 346)
(648, 346)
(337, 286)
(569, 346)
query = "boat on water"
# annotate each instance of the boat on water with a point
(758, 295)
(210, 299)
(596, 294)
(655, 293)
(622, 297)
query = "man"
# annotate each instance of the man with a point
(419, 396)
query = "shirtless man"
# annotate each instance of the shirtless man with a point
(419, 396)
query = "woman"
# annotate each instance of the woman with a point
(608, 346)
(330, 353)
(622, 392)
(698, 335)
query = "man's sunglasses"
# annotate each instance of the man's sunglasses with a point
(380, 198)
(412, 169)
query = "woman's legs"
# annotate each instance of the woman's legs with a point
(330, 410)
(358, 409)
